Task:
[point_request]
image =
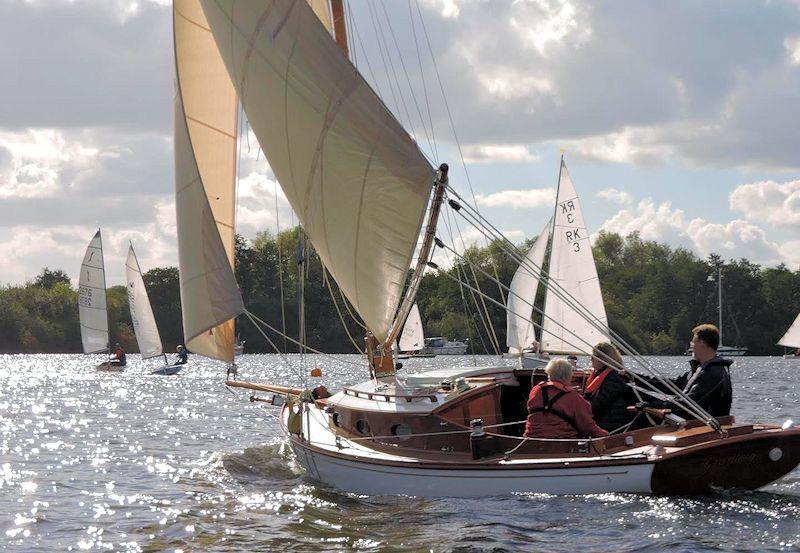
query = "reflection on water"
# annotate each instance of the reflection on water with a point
(135, 462)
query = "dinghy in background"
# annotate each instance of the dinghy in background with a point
(92, 304)
(144, 322)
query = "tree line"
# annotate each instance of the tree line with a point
(654, 295)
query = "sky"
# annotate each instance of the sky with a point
(678, 120)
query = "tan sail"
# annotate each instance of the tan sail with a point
(354, 177)
(205, 173)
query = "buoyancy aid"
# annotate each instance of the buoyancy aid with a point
(596, 379)
(547, 406)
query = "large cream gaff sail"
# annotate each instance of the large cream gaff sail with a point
(520, 333)
(572, 267)
(413, 337)
(205, 180)
(792, 337)
(92, 307)
(354, 177)
(144, 322)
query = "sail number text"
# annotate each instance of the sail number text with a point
(572, 235)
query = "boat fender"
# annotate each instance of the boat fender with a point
(294, 422)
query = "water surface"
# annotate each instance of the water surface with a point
(134, 462)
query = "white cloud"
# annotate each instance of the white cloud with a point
(733, 240)
(615, 195)
(255, 210)
(499, 153)
(518, 199)
(25, 250)
(630, 145)
(792, 45)
(36, 161)
(777, 204)
(542, 22)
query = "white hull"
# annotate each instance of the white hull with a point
(731, 351)
(358, 469)
(445, 350)
(361, 477)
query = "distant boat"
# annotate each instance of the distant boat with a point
(722, 350)
(572, 268)
(92, 304)
(144, 322)
(412, 339)
(792, 340)
(439, 345)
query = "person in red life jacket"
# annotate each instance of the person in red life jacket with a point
(119, 356)
(556, 410)
(606, 389)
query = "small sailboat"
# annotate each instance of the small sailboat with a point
(723, 350)
(361, 187)
(571, 272)
(412, 339)
(92, 304)
(144, 322)
(792, 340)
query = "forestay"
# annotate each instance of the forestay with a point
(520, 333)
(92, 309)
(792, 337)
(354, 177)
(572, 267)
(144, 323)
(413, 337)
(205, 179)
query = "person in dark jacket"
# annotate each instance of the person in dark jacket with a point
(118, 359)
(708, 380)
(606, 389)
(183, 355)
(556, 410)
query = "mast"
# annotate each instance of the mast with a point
(105, 289)
(339, 28)
(381, 357)
(424, 254)
(550, 241)
(719, 280)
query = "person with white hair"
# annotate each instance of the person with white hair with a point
(556, 410)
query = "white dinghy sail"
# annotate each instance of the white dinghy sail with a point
(572, 268)
(144, 322)
(520, 333)
(92, 307)
(413, 337)
(792, 337)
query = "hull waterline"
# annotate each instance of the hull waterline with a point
(744, 462)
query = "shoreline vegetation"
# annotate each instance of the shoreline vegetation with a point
(654, 295)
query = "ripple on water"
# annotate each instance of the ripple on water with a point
(135, 462)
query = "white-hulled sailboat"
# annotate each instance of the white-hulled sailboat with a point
(144, 322)
(92, 304)
(792, 340)
(360, 187)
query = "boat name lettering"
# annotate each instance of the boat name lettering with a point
(739, 459)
